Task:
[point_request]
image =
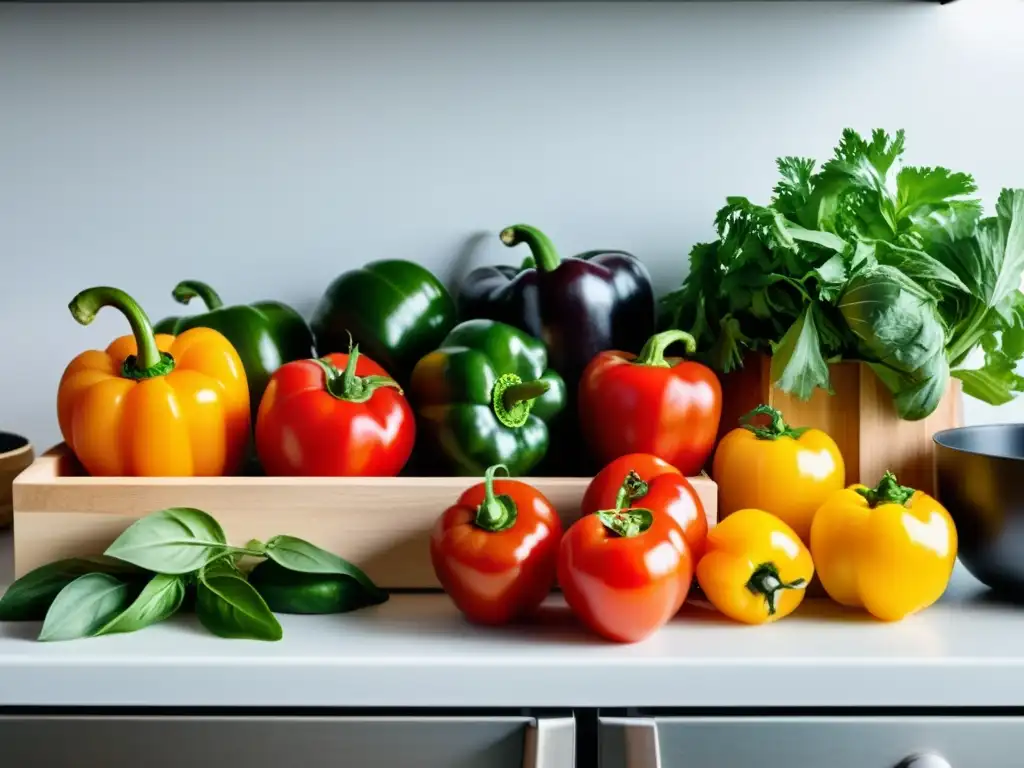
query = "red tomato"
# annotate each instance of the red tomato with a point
(496, 550)
(338, 415)
(652, 484)
(625, 573)
(647, 404)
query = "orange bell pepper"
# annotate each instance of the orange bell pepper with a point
(153, 404)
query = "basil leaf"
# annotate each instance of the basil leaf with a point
(29, 598)
(172, 541)
(83, 606)
(797, 364)
(228, 606)
(159, 599)
(298, 555)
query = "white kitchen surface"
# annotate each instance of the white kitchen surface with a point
(416, 651)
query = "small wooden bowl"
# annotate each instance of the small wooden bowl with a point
(15, 455)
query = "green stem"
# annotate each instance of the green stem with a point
(622, 521)
(888, 491)
(543, 249)
(653, 353)
(765, 580)
(495, 513)
(187, 290)
(775, 429)
(345, 385)
(970, 334)
(520, 393)
(149, 361)
(512, 398)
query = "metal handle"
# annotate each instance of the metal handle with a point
(924, 760)
(550, 743)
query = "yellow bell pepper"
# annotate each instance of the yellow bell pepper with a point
(153, 404)
(755, 568)
(888, 549)
(786, 471)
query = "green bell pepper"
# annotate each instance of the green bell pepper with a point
(396, 311)
(288, 591)
(266, 334)
(485, 397)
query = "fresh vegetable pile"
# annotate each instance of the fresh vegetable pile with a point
(862, 259)
(555, 368)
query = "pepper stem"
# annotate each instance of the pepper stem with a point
(543, 249)
(765, 580)
(187, 290)
(512, 398)
(345, 385)
(495, 513)
(775, 429)
(527, 390)
(623, 521)
(653, 353)
(149, 361)
(888, 491)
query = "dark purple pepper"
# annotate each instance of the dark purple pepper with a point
(577, 306)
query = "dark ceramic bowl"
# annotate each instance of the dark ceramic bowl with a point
(979, 478)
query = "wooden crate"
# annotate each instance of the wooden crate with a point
(381, 524)
(860, 417)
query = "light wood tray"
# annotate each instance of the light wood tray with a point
(381, 524)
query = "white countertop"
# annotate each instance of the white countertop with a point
(416, 651)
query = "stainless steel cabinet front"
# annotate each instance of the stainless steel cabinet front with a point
(274, 742)
(812, 742)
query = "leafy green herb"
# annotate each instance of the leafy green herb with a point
(83, 606)
(229, 606)
(30, 597)
(160, 599)
(148, 573)
(172, 541)
(863, 259)
(298, 555)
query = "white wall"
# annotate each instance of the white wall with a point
(266, 148)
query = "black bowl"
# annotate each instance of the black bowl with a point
(979, 478)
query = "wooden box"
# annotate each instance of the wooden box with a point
(860, 417)
(381, 524)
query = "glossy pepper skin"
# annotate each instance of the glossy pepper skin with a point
(578, 306)
(889, 549)
(649, 404)
(755, 569)
(153, 405)
(266, 334)
(339, 415)
(786, 471)
(495, 550)
(654, 484)
(395, 310)
(625, 571)
(288, 591)
(483, 399)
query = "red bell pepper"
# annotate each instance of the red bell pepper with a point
(653, 484)
(649, 404)
(625, 571)
(338, 415)
(495, 551)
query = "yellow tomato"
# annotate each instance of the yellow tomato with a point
(786, 471)
(889, 550)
